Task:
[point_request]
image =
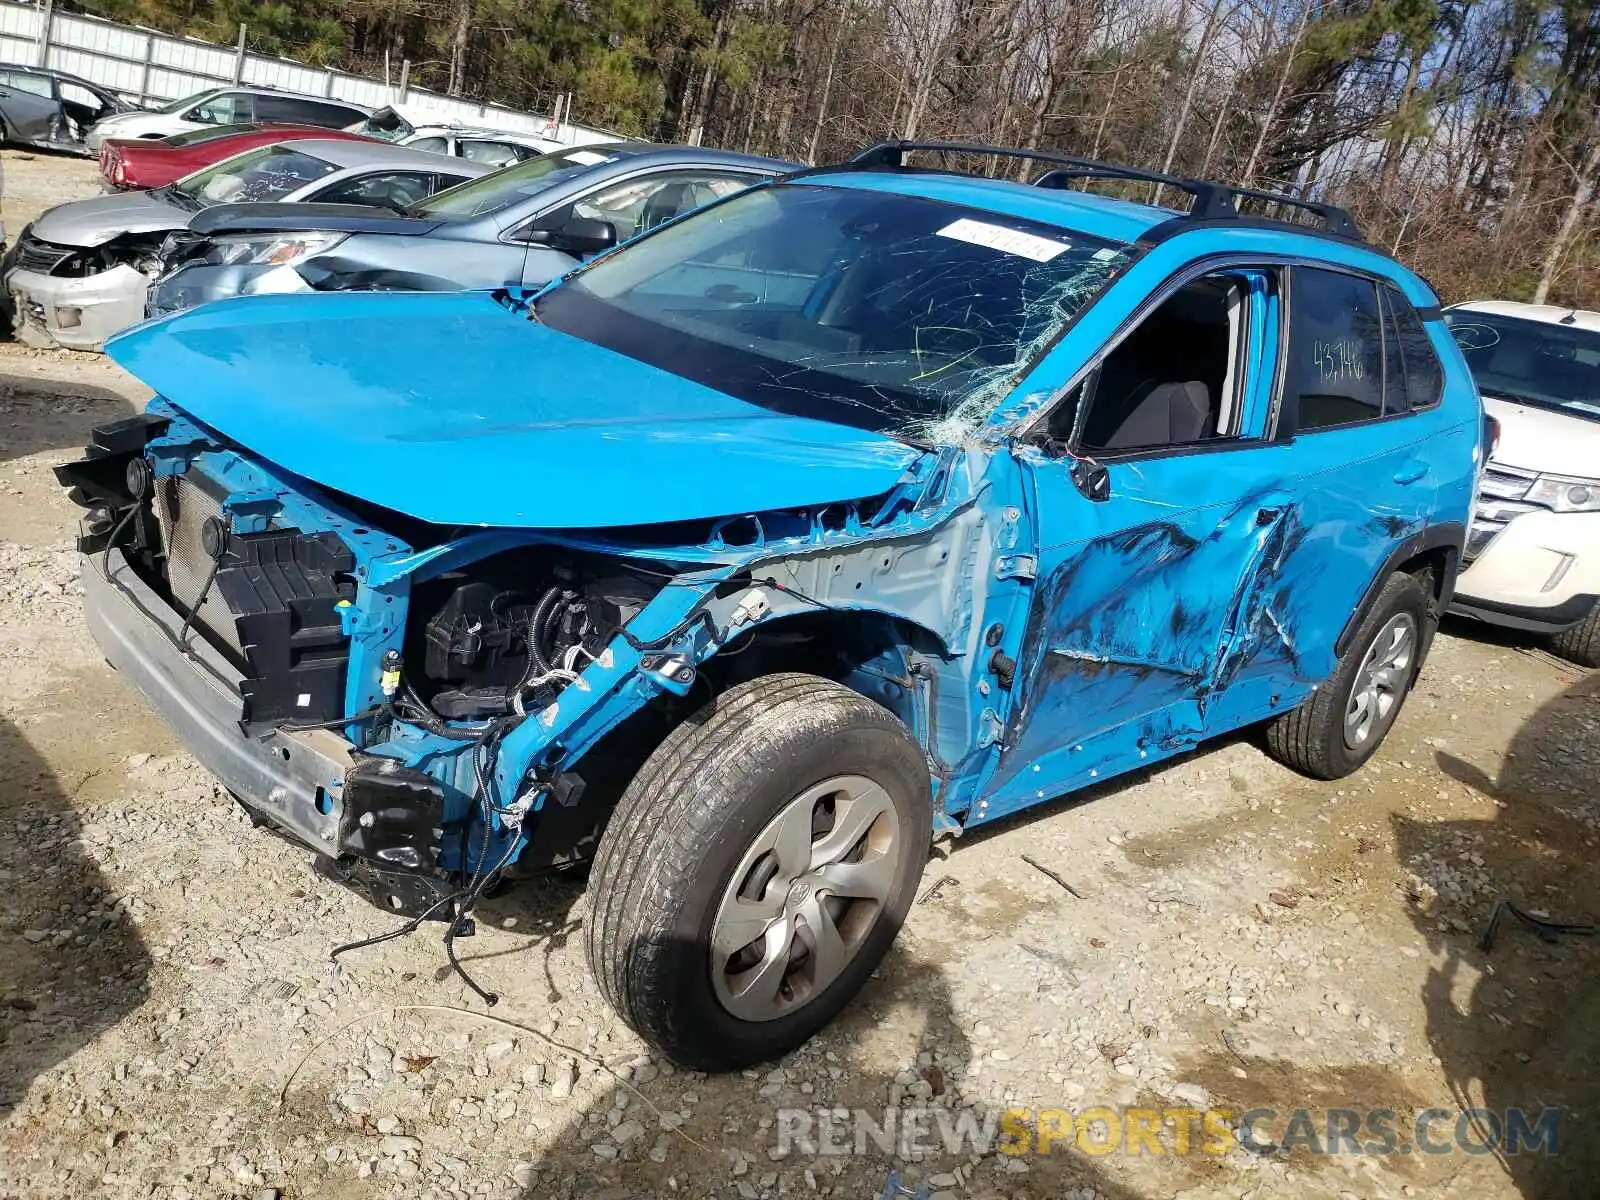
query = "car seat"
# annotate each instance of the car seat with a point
(1169, 414)
(668, 201)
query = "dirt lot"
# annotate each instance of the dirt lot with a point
(1234, 936)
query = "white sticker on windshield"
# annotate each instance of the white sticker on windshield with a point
(1007, 241)
(1584, 406)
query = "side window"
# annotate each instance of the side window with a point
(1334, 370)
(277, 109)
(1415, 376)
(638, 205)
(224, 108)
(432, 145)
(438, 183)
(37, 85)
(334, 116)
(392, 189)
(707, 190)
(1176, 379)
(491, 154)
(73, 93)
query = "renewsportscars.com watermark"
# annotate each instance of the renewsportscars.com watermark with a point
(923, 1131)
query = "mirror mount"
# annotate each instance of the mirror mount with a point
(577, 236)
(1091, 478)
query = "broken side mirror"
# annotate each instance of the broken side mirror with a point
(1091, 478)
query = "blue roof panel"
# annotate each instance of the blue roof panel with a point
(1085, 212)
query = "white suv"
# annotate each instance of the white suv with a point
(1532, 559)
(225, 106)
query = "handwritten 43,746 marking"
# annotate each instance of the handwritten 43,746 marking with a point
(1338, 360)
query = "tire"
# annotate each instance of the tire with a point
(1580, 643)
(1315, 738)
(691, 836)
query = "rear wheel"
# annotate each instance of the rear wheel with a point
(1345, 720)
(757, 868)
(1581, 642)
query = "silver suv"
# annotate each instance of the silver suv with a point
(519, 227)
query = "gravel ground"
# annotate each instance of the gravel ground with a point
(1233, 935)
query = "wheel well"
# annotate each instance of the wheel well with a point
(1435, 570)
(1432, 558)
(867, 652)
(1432, 569)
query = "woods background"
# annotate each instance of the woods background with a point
(1464, 135)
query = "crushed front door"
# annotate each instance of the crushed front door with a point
(1140, 603)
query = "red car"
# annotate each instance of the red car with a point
(155, 162)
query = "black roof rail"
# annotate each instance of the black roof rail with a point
(1209, 201)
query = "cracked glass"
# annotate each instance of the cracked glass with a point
(902, 315)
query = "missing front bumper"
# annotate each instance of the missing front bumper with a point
(379, 819)
(292, 778)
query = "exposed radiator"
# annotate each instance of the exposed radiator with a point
(181, 509)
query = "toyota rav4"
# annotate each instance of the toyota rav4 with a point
(866, 506)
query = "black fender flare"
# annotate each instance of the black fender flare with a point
(1450, 536)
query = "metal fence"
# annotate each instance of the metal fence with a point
(151, 68)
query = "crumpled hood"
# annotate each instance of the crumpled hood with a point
(452, 409)
(96, 221)
(1540, 439)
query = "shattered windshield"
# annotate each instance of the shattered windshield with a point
(893, 313)
(489, 193)
(267, 173)
(1534, 362)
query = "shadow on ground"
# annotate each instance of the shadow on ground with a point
(903, 1015)
(1517, 1025)
(1493, 635)
(541, 912)
(53, 414)
(73, 963)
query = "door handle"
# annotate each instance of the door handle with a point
(1410, 471)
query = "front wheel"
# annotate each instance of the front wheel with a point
(756, 870)
(1581, 642)
(1344, 721)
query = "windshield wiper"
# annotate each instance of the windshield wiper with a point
(181, 199)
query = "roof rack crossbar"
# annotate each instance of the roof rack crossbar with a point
(1210, 201)
(1334, 218)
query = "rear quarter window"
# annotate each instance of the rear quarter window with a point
(1416, 377)
(303, 111)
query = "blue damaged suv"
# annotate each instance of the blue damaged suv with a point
(868, 505)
